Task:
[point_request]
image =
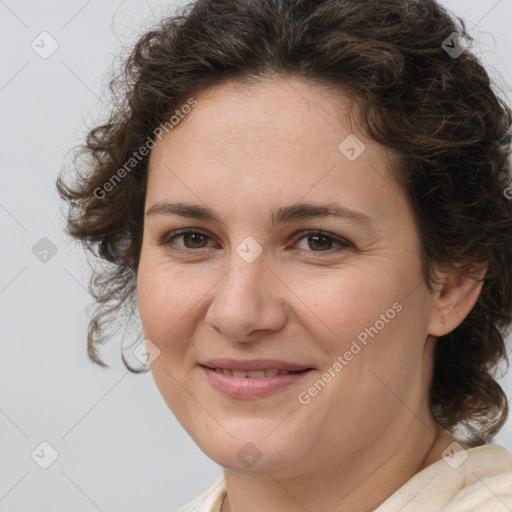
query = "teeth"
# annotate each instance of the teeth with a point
(257, 374)
(240, 373)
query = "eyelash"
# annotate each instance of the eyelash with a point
(167, 240)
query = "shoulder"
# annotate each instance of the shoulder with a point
(475, 480)
(209, 500)
(488, 481)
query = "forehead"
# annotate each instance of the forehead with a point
(248, 142)
(277, 111)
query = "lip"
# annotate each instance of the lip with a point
(253, 365)
(252, 387)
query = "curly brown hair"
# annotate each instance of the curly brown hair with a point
(439, 111)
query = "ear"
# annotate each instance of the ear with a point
(454, 299)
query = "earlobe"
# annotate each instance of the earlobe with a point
(455, 299)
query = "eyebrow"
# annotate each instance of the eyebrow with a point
(282, 215)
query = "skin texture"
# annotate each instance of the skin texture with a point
(244, 152)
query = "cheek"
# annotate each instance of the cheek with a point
(371, 320)
(168, 306)
(375, 329)
(169, 302)
(380, 339)
(336, 307)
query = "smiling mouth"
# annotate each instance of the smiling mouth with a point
(256, 374)
(252, 384)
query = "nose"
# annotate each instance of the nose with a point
(248, 301)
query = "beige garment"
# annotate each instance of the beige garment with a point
(475, 480)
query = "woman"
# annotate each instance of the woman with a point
(307, 202)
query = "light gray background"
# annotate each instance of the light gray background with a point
(120, 448)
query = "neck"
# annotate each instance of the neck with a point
(359, 483)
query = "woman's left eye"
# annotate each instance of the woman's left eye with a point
(198, 240)
(321, 239)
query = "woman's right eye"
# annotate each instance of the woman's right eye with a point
(191, 238)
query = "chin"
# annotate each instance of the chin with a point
(251, 453)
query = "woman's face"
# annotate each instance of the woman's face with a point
(348, 304)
